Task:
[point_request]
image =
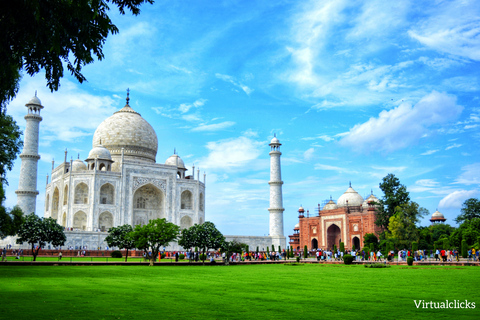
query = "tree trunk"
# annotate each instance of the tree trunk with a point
(126, 255)
(34, 253)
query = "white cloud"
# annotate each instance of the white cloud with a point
(319, 166)
(457, 198)
(429, 152)
(214, 127)
(455, 145)
(427, 183)
(185, 107)
(470, 175)
(235, 153)
(402, 126)
(233, 81)
(308, 154)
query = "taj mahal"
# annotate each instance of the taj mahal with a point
(120, 183)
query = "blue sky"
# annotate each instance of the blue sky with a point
(354, 90)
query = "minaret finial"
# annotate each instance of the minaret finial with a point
(78, 156)
(371, 192)
(35, 93)
(174, 150)
(274, 134)
(350, 183)
(128, 96)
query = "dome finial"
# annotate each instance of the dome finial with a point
(128, 96)
(35, 93)
(174, 150)
(350, 183)
(78, 156)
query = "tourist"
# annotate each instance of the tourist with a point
(473, 254)
(60, 255)
(437, 252)
(4, 254)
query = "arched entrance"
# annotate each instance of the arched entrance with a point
(148, 204)
(333, 236)
(314, 243)
(356, 243)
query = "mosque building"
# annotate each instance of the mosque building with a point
(347, 220)
(121, 183)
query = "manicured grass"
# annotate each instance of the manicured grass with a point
(234, 292)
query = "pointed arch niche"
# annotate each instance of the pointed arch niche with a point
(148, 204)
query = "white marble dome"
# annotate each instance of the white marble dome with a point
(352, 196)
(371, 198)
(79, 165)
(128, 130)
(175, 160)
(99, 152)
(331, 205)
(275, 141)
(297, 226)
(35, 101)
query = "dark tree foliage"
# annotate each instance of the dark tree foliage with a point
(121, 237)
(49, 34)
(154, 235)
(470, 210)
(395, 195)
(370, 238)
(40, 231)
(204, 236)
(10, 144)
(10, 221)
(230, 247)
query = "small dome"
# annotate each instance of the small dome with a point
(34, 100)
(331, 205)
(176, 161)
(350, 197)
(78, 165)
(301, 209)
(297, 226)
(275, 141)
(99, 152)
(371, 198)
(437, 215)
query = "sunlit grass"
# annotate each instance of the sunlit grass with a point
(234, 292)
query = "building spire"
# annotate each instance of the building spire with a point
(128, 96)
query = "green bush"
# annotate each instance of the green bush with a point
(347, 259)
(372, 246)
(342, 247)
(410, 261)
(116, 254)
(305, 252)
(162, 255)
(181, 256)
(464, 249)
(377, 265)
(446, 244)
(298, 259)
(414, 246)
(202, 256)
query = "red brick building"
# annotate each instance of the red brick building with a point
(347, 221)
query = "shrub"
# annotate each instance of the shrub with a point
(298, 259)
(342, 247)
(347, 259)
(414, 246)
(377, 265)
(116, 254)
(372, 246)
(353, 247)
(410, 261)
(202, 256)
(305, 252)
(162, 255)
(464, 249)
(181, 256)
(446, 244)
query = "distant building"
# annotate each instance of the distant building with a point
(437, 217)
(347, 221)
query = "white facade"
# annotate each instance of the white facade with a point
(120, 183)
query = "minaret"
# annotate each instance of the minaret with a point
(276, 200)
(27, 186)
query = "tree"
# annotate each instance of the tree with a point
(121, 237)
(470, 210)
(370, 238)
(230, 247)
(40, 231)
(50, 33)
(205, 236)
(305, 252)
(10, 144)
(395, 194)
(10, 221)
(154, 235)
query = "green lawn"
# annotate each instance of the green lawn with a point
(234, 292)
